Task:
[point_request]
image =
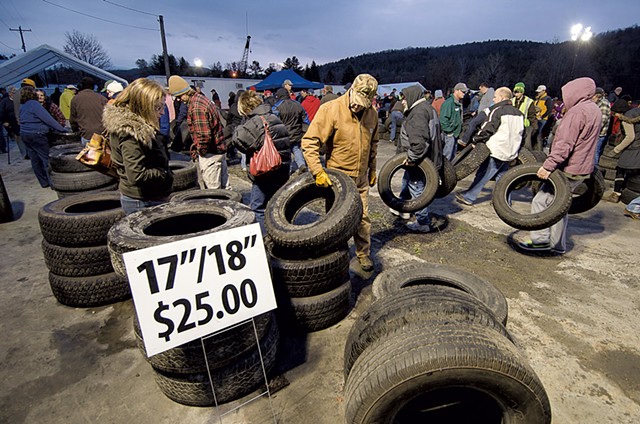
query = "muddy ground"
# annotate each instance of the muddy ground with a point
(575, 317)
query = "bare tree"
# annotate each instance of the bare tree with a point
(86, 47)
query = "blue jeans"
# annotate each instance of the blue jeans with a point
(131, 205)
(263, 189)
(412, 187)
(396, 117)
(450, 148)
(298, 158)
(599, 149)
(634, 205)
(489, 168)
(37, 147)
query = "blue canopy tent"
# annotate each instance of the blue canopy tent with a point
(275, 80)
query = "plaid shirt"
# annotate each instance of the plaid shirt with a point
(605, 108)
(203, 119)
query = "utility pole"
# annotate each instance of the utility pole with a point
(24, 48)
(164, 48)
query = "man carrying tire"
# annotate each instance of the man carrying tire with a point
(349, 128)
(420, 138)
(502, 132)
(572, 153)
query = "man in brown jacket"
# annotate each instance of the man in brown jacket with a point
(348, 126)
(86, 110)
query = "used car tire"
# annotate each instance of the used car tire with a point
(6, 210)
(457, 372)
(394, 165)
(520, 175)
(628, 195)
(81, 220)
(111, 187)
(411, 307)
(588, 194)
(471, 160)
(185, 175)
(334, 229)
(419, 273)
(314, 313)
(76, 261)
(633, 183)
(310, 277)
(62, 158)
(89, 291)
(448, 179)
(78, 181)
(171, 222)
(211, 193)
(230, 382)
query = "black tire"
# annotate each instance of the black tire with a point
(411, 307)
(334, 229)
(310, 277)
(607, 162)
(628, 195)
(588, 194)
(609, 174)
(59, 139)
(107, 188)
(516, 177)
(62, 158)
(89, 291)
(394, 165)
(171, 222)
(315, 313)
(458, 372)
(185, 175)
(231, 382)
(419, 273)
(633, 183)
(211, 193)
(76, 261)
(461, 154)
(222, 348)
(525, 156)
(539, 155)
(79, 181)
(82, 220)
(448, 179)
(6, 210)
(468, 164)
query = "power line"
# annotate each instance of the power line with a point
(5, 24)
(98, 18)
(9, 47)
(129, 8)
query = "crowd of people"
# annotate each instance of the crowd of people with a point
(144, 121)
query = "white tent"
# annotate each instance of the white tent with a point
(387, 88)
(37, 60)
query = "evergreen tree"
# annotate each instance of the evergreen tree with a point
(349, 75)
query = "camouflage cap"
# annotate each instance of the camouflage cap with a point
(363, 89)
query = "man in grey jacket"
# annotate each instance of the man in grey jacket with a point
(572, 153)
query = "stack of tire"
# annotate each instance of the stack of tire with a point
(438, 184)
(69, 176)
(607, 164)
(232, 356)
(75, 250)
(185, 175)
(210, 193)
(310, 261)
(433, 348)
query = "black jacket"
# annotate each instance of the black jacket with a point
(420, 135)
(292, 115)
(249, 137)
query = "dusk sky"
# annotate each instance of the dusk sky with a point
(322, 31)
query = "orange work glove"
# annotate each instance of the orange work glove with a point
(372, 177)
(322, 179)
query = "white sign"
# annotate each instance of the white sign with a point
(190, 288)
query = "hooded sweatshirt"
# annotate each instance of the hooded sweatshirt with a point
(574, 144)
(420, 133)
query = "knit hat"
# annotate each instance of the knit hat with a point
(106, 84)
(178, 86)
(439, 94)
(600, 90)
(363, 89)
(519, 87)
(28, 81)
(620, 106)
(115, 87)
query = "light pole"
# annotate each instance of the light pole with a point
(579, 34)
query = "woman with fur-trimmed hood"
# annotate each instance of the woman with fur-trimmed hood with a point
(137, 152)
(249, 138)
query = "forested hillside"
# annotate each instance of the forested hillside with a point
(612, 59)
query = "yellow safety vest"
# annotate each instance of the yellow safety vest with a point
(524, 108)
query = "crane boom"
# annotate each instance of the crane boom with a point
(245, 57)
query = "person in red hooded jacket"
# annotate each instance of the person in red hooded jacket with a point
(310, 103)
(572, 153)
